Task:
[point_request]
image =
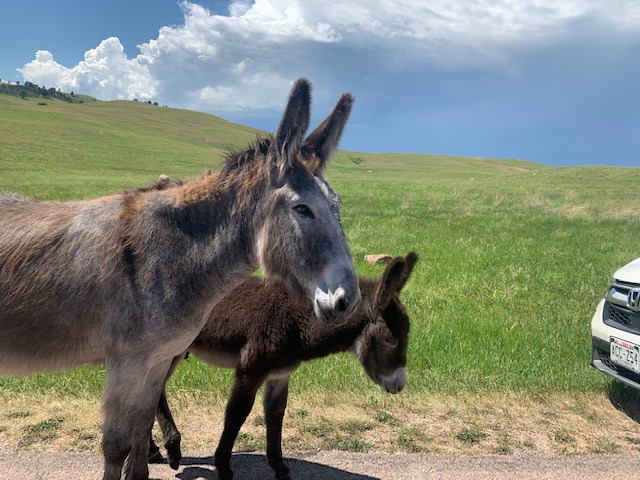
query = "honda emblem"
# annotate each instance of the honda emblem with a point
(633, 299)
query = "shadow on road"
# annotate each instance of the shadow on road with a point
(248, 466)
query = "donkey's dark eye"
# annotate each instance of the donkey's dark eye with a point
(304, 211)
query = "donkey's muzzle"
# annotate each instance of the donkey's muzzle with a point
(335, 307)
(394, 382)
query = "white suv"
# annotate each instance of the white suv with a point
(615, 327)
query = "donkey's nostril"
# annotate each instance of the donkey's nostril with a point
(341, 305)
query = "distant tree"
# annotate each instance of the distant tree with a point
(30, 89)
(155, 104)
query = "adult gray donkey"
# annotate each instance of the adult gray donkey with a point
(130, 279)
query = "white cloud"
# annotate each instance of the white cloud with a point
(249, 58)
(252, 92)
(44, 69)
(105, 72)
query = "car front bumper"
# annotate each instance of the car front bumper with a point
(600, 359)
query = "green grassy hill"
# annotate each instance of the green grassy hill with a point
(61, 142)
(90, 149)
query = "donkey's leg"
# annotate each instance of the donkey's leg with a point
(154, 452)
(124, 387)
(276, 392)
(170, 434)
(238, 408)
(136, 466)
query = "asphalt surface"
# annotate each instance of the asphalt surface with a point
(339, 466)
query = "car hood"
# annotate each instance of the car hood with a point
(629, 273)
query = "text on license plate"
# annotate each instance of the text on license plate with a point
(625, 354)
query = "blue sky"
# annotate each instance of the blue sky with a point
(541, 80)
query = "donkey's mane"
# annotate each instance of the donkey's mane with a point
(232, 165)
(236, 160)
(161, 184)
(261, 147)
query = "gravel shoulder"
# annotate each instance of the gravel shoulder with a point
(335, 465)
(481, 437)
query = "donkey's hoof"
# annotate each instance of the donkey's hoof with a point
(225, 473)
(173, 452)
(282, 472)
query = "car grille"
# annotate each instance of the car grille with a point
(621, 316)
(617, 313)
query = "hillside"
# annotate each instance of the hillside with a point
(77, 149)
(84, 143)
(142, 140)
(30, 90)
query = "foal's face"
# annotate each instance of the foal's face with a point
(302, 243)
(382, 351)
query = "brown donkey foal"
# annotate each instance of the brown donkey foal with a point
(265, 335)
(130, 279)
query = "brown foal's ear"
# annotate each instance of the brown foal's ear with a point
(292, 129)
(390, 283)
(322, 143)
(410, 261)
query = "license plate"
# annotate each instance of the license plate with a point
(625, 354)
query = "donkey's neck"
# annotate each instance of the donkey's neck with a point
(203, 238)
(219, 218)
(220, 222)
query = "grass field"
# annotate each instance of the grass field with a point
(514, 255)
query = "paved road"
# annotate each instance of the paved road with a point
(340, 466)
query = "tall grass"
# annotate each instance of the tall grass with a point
(514, 255)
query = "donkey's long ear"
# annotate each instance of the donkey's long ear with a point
(391, 282)
(293, 126)
(323, 141)
(410, 261)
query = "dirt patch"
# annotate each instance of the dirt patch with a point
(465, 425)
